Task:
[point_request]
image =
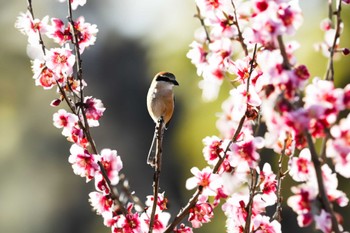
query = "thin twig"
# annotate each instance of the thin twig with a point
(30, 9)
(252, 193)
(332, 50)
(285, 64)
(240, 36)
(199, 16)
(157, 170)
(85, 126)
(322, 193)
(280, 175)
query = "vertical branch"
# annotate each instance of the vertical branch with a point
(280, 175)
(240, 36)
(199, 16)
(30, 9)
(332, 49)
(249, 207)
(157, 170)
(322, 193)
(84, 125)
(285, 64)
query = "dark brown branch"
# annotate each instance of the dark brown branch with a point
(285, 64)
(84, 125)
(280, 175)
(157, 169)
(252, 193)
(240, 36)
(30, 9)
(332, 50)
(199, 16)
(322, 193)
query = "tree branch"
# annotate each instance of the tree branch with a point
(322, 193)
(332, 50)
(157, 169)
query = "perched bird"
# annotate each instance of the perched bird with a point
(160, 105)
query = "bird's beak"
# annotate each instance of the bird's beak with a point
(175, 82)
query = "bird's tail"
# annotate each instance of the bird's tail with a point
(151, 159)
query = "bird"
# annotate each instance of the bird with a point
(160, 105)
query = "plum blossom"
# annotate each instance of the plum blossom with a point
(262, 224)
(65, 120)
(86, 33)
(31, 27)
(83, 163)
(100, 202)
(183, 229)
(44, 76)
(214, 148)
(162, 201)
(112, 164)
(59, 32)
(93, 110)
(75, 3)
(201, 213)
(205, 178)
(338, 148)
(301, 168)
(245, 151)
(301, 203)
(324, 222)
(268, 185)
(60, 60)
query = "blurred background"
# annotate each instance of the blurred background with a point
(136, 39)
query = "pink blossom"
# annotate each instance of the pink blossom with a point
(86, 33)
(197, 54)
(129, 224)
(112, 164)
(236, 213)
(214, 149)
(65, 120)
(301, 203)
(78, 137)
(331, 184)
(183, 229)
(44, 76)
(59, 32)
(93, 110)
(201, 213)
(162, 201)
(76, 3)
(100, 202)
(83, 163)
(60, 60)
(301, 168)
(205, 178)
(101, 184)
(262, 224)
(245, 151)
(338, 148)
(268, 185)
(211, 83)
(326, 24)
(161, 220)
(324, 222)
(31, 27)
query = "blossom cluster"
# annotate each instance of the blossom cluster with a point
(55, 67)
(242, 41)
